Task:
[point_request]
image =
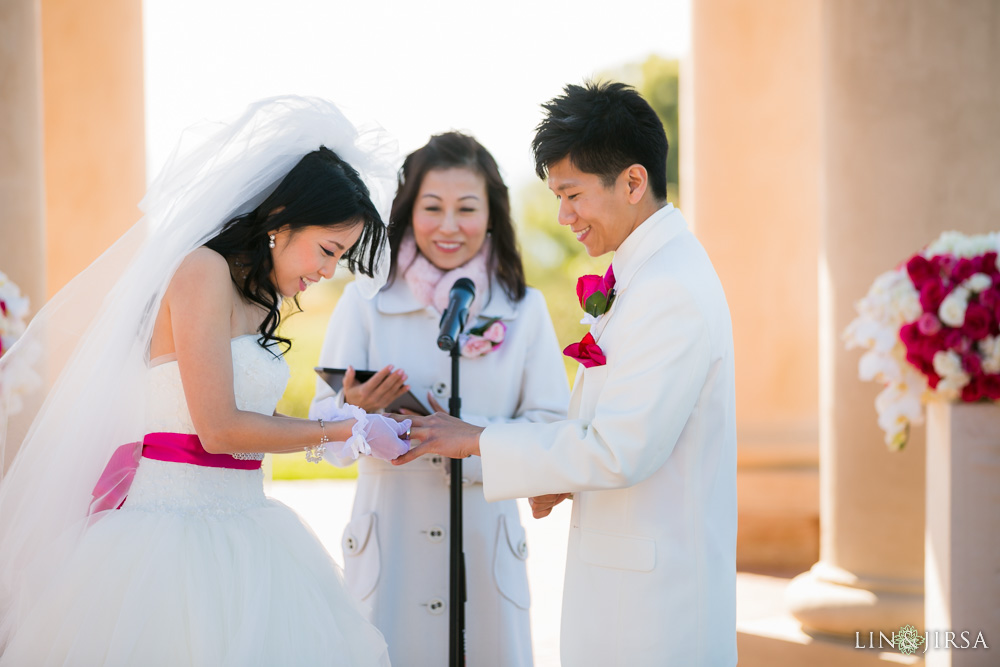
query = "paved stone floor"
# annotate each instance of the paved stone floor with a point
(326, 506)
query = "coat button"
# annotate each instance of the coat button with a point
(440, 388)
(435, 606)
(350, 544)
(522, 549)
(435, 533)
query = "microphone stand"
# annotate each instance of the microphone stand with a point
(451, 325)
(456, 562)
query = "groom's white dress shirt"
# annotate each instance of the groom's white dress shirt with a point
(649, 452)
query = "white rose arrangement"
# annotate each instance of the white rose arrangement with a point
(931, 328)
(16, 375)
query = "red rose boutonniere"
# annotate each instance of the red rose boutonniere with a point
(587, 352)
(596, 294)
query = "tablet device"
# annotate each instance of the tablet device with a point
(335, 378)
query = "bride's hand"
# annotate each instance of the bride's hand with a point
(385, 437)
(378, 392)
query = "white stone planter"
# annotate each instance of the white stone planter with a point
(962, 563)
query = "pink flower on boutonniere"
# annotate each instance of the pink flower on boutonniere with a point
(496, 332)
(587, 352)
(476, 346)
(596, 293)
(484, 338)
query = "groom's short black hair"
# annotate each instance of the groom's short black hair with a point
(603, 128)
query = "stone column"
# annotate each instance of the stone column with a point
(22, 225)
(963, 533)
(94, 128)
(911, 100)
(752, 192)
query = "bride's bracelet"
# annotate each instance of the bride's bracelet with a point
(354, 445)
(315, 454)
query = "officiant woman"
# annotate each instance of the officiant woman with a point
(450, 219)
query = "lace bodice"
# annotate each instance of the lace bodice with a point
(259, 380)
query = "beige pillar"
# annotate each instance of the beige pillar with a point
(911, 148)
(22, 225)
(963, 533)
(752, 191)
(94, 128)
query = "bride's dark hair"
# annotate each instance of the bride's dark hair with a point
(321, 190)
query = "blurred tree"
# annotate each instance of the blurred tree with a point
(656, 79)
(659, 86)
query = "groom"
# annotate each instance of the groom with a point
(648, 454)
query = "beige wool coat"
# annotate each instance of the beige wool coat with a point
(396, 546)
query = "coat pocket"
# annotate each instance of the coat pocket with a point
(621, 552)
(362, 560)
(509, 571)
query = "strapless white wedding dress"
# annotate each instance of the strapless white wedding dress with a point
(198, 567)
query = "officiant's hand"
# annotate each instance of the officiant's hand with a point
(378, 391)
(439, 433)
(541, 506)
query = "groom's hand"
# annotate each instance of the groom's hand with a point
(440, 433)
(541, 506)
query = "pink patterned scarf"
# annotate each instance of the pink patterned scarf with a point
(431, 285)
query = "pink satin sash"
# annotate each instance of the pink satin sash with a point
(113, 484)
(186, 448)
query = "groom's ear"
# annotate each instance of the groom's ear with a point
(637, 182)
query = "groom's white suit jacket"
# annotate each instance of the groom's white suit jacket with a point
(649, 451)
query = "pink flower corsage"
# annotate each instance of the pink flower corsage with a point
(483, 339)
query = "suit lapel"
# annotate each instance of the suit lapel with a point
(654, 233)
(598, 327)
(577, 396)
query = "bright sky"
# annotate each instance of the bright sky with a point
(417, 68)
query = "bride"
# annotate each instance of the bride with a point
(167, 363)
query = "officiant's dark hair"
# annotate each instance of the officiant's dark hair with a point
(456, 150)
(603, 128)
(321, 190)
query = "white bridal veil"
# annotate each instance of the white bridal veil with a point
(91, 340)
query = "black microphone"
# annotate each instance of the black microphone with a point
(453, 320)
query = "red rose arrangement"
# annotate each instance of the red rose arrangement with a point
(16, 374)
(932, 329)
(960, 299)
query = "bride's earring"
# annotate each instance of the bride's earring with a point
(270, 242)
